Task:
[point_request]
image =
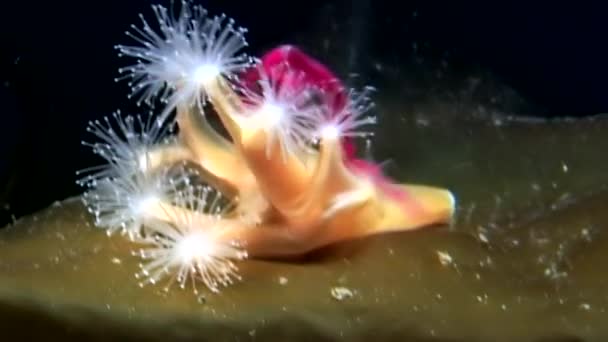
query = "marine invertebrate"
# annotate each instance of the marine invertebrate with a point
(349, 121)
(125, 143)
(288, 169)
(187, 245)
(281, 105)
(120, 190)
(174, 61)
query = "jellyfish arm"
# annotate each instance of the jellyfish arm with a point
(262, 155)
(222, 166)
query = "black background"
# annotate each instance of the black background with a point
(58, 64)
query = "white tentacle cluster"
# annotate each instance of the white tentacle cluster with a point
(184, 52)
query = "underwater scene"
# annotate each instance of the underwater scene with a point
(190, 170)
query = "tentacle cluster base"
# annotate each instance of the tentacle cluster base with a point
(247, 158)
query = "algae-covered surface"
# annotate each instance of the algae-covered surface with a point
(524, 258)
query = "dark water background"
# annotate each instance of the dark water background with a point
(58, 65)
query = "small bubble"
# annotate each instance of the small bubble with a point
(481, 234)
(444, 258)
(423, 121)
(585, 234)
(283, 280)
(483, 299)
(116, 261)
(201, 299)
(341, 293)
